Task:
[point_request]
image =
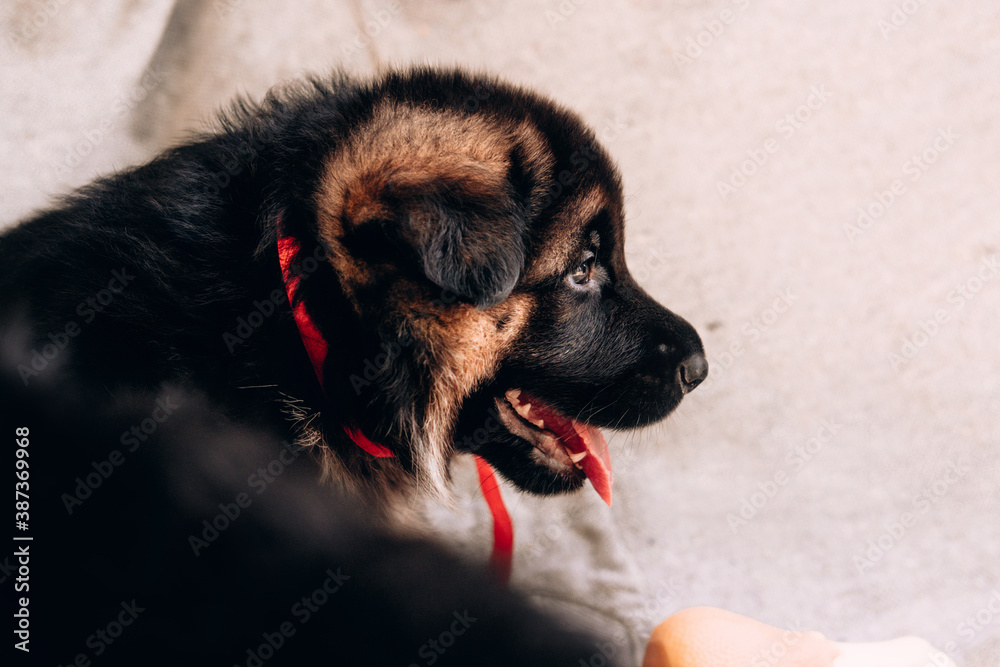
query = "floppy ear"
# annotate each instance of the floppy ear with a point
(463, 224)
(470, 238)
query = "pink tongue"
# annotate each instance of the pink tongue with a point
(597, 464)
(579, 437)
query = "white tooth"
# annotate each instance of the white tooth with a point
(538, 422)
(578, 466)
(576, 457)
(524, 409)
(512, 395)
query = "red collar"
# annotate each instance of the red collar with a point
(316, 348)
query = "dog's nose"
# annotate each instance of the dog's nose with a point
(692, 371)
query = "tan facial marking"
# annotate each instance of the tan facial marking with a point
(560, 243)
(404, 154)
(403, 148)
(461, 346)
(401, 153)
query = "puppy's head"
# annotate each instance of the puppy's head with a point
(477, 232)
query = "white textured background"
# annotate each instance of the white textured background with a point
(683, 93)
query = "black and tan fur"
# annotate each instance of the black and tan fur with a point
(445, 214)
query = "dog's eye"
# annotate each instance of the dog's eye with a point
(584, 273)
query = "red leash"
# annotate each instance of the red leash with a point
(316, 347)
(503, 529)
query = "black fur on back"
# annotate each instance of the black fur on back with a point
(129, 542)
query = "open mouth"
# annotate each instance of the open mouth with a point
(564, 443)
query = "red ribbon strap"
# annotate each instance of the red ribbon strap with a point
(503, 530)
(317, 349)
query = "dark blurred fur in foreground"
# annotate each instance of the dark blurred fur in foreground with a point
(298, 577)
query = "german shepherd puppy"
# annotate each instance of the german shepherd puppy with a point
(453, 249)
(382, 273)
